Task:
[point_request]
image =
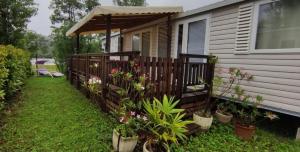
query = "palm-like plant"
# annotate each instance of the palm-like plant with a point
(165, 122)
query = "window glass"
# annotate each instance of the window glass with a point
(162, 40)
(278, 25)
(196, 37)
(179, 43)
(136, 42)
(145, 44)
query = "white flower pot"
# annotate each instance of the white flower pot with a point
(145, 147)
(203, 122)
(223, 118)
(126, 144)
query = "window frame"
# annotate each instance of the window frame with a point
(254, 33)
(140, 32)
(185, 22)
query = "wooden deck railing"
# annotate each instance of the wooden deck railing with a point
(173, 77)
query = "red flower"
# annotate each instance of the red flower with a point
(114, 70)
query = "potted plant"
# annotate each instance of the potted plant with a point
(204, 118)
(247, 113)
(125, 135)
(165, 123)
(224, 88)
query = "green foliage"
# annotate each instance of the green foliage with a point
(130, 2)
(66, 13)
(15, 67)
(221, 138)
(165, 122)
(63, 46)
(14, 16)
(53, 116)
(36, 44)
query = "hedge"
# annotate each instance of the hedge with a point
(15, 67)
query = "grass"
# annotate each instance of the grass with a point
(221, 138)
(53, 116)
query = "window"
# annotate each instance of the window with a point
(162, 40)
(141, 41)
(196, 37)
(136, 39)
(179, 43)
(146, 44)
(278, 25)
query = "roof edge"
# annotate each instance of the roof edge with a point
(207, 8)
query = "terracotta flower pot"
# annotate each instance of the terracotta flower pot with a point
(244, 132)
(223, 118)
(125, 144)
(203, 122)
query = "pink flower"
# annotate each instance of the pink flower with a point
(145, 118)
(132, 113)
(114, 70)
(242, 98)
(138, 116)
(121, 119)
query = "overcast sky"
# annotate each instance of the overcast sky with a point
(41, 22)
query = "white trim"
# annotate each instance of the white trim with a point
(140, 32)
(185, 23)
(253, 50)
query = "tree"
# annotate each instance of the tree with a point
(66, 13)
(14, 16)
(90, 4)
(130, 2)
(36, 44)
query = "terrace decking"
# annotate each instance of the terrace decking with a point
(188, 78)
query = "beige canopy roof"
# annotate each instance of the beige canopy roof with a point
(121, 17)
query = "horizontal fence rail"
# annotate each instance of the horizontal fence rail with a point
(174, 77)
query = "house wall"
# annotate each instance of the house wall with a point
(157, 36)
(276, 75)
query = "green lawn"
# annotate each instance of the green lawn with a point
(221, 138)
(53, 116)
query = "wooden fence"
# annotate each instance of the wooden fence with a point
(188, 77)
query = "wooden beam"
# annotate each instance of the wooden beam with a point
(108, 33)
(169, 36)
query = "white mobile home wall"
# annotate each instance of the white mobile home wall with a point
(276, 73)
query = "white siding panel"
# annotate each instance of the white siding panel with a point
(261, 62)
(255, 56)
(289, 69)
(221, 51)
(276, 76)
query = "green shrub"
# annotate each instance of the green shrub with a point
(15, 67)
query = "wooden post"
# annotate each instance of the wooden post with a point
(71, 69)
(77, 49)
(121, 41)
(108, 33)
(169, 36)
(36, 64)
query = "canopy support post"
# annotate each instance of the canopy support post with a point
(169, 36)
(121, 41)
(108, 33)
(77, 43)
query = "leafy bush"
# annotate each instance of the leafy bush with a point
(15, 67)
